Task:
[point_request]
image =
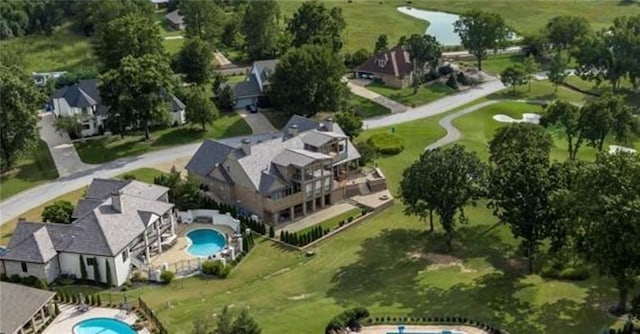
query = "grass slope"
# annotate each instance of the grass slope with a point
(426, 93)
(35, 169)
(366, 108)
(96, 151)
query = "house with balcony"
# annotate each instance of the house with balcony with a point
(83, 99)
(117, 225)
(285, 176)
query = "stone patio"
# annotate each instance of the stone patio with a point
(316, 217)
(69, 317)
(178, 252)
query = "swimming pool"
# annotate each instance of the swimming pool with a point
(205, 242)
(102, 326)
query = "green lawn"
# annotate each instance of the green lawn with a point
(277, 118)
(426, 93)
(63, 50)
(142, 174)
(33, 170)
(496, 64)
(542, 90)
(332, 222)
(235, 78)
(366, 108)
(173, 45)
(96, 151)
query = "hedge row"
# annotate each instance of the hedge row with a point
(437, 320)
(73, 298)
(302, 239)
(386, 143)
(31, 281)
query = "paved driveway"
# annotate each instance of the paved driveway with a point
(436, 107)
(258, 122)
(62, 150)
(358, 87)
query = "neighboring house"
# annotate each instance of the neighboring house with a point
(175, 20)
(118, 224)
(83, 99)
(248, 91)
(159, 4)
(281, 177)
(24, 309)
(41, 79)
(392, 67)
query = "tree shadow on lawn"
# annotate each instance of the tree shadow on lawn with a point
(181, 135)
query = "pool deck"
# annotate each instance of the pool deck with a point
(69, 317)
(410, 329)
(179, 252)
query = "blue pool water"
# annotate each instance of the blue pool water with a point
(102, 326)
(205, 242)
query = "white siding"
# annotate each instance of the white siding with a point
(177, 117)
(70, 264)
(122, 269)
(33, 269)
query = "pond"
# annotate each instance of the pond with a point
(440, 24)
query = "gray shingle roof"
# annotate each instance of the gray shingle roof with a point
(209, 154)
(175, 17)
(85, 206)
(19, 304)
(247, 88)
(319, 138)
(265, 68)
(36, 247)
(82, 95)
(103, 188)
(298, 158)
(100, 189)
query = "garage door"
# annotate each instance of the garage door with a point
(243, 102)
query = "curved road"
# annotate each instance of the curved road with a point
(23, 201)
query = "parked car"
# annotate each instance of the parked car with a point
(252, 108)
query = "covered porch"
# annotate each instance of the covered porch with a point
(24, 310)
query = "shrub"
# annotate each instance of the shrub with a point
(211, 267)
(386, 143)
(367, 152)
(129, 176)
(463, 79)
(574, 274)
(445, 70)
(223, 271)
(452, 82)
(56, 308)
(167, 276)
(350, 219)
(272, 232)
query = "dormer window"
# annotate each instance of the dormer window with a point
(381, 62)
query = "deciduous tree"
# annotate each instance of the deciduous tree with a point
(520, 187)
(607, 115)
(445, 180)
(605, 208)
(564, 31)
(129, 35)
(137, 91)
(382, 43)
(558, 70)
(59, 212)
(480, 32)
(531, 67)
(71, 125)
(567, 116)
(194, 61)
(260, 27)
(200, 109)
(313, 23)
(203, 19)
(514, 76)
(307, 80)
(91, 15)
(423, 50)
(350, 123)
(19, 104)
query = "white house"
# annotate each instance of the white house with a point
(83, 99)
(119, 224)
(248, 91)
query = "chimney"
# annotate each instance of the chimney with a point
(116, 202)
(329, 124)
(293, 130)
(245, 144)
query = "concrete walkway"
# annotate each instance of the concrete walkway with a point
(258, 122)
(437, 107)
(173, 37)
(316, 217)
(357, 87)
(63, 152)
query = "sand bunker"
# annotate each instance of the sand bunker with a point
(532, 118)
(616, 148)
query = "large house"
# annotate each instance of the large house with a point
(175, 20)
(392, 67)
(248, 91)
(83, 99)
(282, 177)
(118, 224)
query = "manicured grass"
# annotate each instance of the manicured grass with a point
(496, 64)
(35, 169)
(366, 108)
(276, 117)
(235, 78)
(64, 50)
(35, 214)
(479, 127)
(426, 93)
(332, 222)
(173, 45)
(96, 151)
(542, 90)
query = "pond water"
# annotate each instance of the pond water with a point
(440, 24)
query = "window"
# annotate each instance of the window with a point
(125, 255)
(24, 267)
(86, 126)
(91, 261)
(276, 195)
(341, 148)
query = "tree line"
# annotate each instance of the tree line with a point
(578, 207)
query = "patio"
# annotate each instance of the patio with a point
(70, 316)
(178, 253)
